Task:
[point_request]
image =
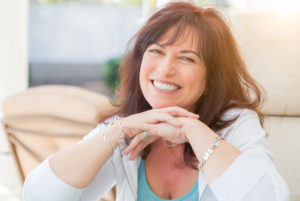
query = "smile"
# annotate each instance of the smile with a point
(165, 86)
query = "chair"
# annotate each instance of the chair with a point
(46, 119)
(273, 59)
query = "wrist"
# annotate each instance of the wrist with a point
(114, 131)
(200, 137)
(189, 128)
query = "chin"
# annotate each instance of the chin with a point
(161, 105)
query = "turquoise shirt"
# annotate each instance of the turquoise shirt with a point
(146, 194)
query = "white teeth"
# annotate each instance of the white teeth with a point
(164, 86)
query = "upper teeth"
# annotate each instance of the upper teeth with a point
(164, 86)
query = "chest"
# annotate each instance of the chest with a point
(170, 181)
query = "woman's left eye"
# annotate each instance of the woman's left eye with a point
(155, 51)
(188, 59)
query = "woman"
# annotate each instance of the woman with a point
(190, 126)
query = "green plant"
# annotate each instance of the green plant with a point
(110, 73)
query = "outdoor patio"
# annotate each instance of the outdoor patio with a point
(268, 39)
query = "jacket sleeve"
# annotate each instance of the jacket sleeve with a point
(43, 185)
(253, 175)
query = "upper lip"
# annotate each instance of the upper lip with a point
(166, 82)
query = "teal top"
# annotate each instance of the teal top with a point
(145, 193)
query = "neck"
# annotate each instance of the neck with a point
(166, 155)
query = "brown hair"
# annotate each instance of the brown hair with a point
(229, 85)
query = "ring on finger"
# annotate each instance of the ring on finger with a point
(146, 134)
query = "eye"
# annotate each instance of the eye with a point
(155, 51)
(184, 58)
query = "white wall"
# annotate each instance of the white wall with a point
(13, 79)
(79, 32)
(13, 47)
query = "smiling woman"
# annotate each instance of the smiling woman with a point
(186, 127)
(173, 75)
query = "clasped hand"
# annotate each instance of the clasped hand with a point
(157, 123)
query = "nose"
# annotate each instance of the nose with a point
(167, 66)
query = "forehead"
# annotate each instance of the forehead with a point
(188, 38)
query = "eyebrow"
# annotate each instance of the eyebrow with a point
(182, 51)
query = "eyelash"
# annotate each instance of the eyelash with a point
(188, 59)
(156, 51)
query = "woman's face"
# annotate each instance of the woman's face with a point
(173, 75)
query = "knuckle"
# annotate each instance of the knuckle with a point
(154, 131)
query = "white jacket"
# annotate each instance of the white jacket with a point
(251, 177)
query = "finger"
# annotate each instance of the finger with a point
(133, 144)
(131, 130)
(137, 150)
(172, 120)
(178, 111)
(179, 114)
(164, 117)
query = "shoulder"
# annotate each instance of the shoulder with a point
(241, 112)
(242, 115)
(246, 127)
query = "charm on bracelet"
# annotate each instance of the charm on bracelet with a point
(210, 150)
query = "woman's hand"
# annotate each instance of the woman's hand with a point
(144, 121)
(157, 123)
(162, 130)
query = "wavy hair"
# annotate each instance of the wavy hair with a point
(228, 85)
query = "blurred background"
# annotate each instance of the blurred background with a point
(81, 43)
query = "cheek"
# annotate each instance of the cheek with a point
(196, 81)
(143, 73)
(146, 69)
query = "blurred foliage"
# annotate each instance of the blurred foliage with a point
(110, 73)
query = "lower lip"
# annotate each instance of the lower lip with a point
(165, 91)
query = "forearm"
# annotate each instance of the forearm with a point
(79, 165)
(222, 157)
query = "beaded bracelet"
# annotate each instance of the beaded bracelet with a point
(209, 151)
(106, 139)
(121, 139)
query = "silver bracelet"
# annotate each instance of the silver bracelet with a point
(210, 151)
(104, 136)
(121, 139)
(106, 140)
